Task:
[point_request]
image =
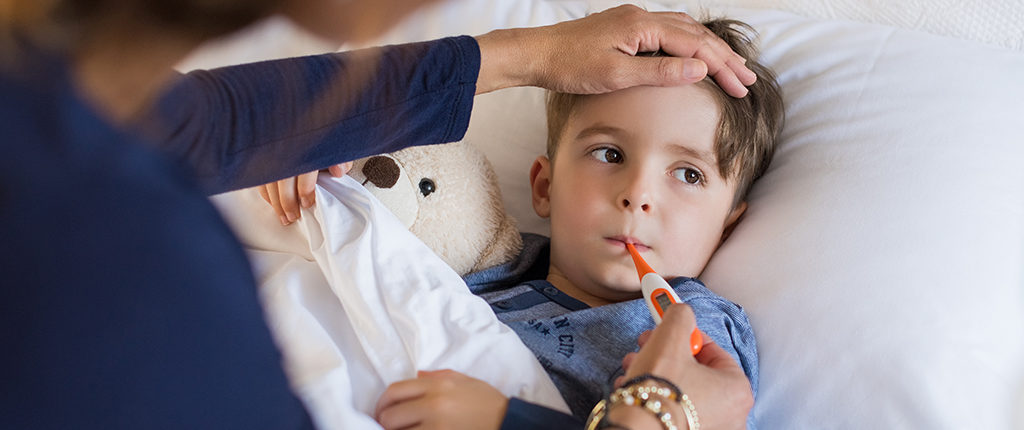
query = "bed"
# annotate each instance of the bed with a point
(881, 259)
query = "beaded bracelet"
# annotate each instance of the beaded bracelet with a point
(598, 417)
(632, 393)
(690, 411)
(647, 376)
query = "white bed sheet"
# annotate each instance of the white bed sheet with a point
(356, 302)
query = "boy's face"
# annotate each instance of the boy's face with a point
(636, 165)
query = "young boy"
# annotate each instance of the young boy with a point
(666, 169)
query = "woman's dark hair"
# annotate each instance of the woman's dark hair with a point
(69, 21)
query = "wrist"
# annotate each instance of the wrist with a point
(636, 417)
(658, 397)
(505, 60)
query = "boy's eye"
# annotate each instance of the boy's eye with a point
(607, 155)
(689, 175)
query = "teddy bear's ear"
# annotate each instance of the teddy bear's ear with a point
(385, 177)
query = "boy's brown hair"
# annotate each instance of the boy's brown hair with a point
(749, 126)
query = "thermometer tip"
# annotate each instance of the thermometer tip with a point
(641, 266)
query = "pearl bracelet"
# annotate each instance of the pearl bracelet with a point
(646, 396)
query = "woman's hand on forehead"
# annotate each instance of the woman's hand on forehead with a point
(597, 54)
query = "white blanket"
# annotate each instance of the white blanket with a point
(356, 302)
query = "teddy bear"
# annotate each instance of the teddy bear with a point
(448, 196)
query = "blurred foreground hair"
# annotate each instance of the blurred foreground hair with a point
(64, 23)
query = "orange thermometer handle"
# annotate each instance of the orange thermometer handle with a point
(658, 295)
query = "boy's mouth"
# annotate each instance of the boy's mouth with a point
(623, 240)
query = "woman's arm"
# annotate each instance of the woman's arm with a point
(246, 125)
(597, 54)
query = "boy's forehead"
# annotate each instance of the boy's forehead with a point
(686, 117)
(646, 102)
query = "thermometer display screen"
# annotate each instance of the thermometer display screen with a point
(663, 301)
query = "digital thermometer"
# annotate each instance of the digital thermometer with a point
(659, 296)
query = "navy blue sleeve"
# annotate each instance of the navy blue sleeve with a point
(522, 415)
(127, 301)
(250, 124)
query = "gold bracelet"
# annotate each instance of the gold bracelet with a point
(643, 396)
(690, 411)
(596, 415)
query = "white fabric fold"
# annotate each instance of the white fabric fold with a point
(356, 302)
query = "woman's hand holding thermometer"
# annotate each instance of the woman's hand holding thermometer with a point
(659, 296)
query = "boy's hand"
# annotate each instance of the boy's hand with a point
(286, 195)
(442, 399)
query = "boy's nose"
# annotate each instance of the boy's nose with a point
(636, 204)
(636, 196)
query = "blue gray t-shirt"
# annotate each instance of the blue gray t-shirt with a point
(582, 347)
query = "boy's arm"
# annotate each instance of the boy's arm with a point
(441, 399)
(452, 400)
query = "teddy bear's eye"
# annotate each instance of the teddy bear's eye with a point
(427, 186)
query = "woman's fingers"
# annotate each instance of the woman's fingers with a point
(275, 202)
(305, 188)
(264, 193)
(666, 352)
(687, 41)
(643, 338)
(288, 198)
(689, 38)
(712, 355)
(341, 169)
(677, 323)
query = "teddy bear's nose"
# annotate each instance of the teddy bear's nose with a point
(382, 171)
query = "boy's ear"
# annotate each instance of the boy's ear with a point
(540, 186)
(733, 219)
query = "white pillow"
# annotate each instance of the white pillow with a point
(881, 257)
(995, 22)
